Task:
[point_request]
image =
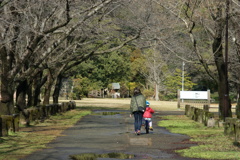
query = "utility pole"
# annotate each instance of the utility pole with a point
(183, 77)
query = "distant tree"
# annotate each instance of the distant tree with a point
(175, 82)
(106, 69)
(81, 87)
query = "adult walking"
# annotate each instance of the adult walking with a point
(137, 101)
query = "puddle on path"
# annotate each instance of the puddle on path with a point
(107, 113)
(110, 113)
(93, 156)
(141, 141)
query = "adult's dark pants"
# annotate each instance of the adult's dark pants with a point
(138, 117)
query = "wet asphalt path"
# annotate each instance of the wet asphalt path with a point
(100, 133)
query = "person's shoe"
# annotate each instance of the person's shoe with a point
(151, 128)
(138, 132)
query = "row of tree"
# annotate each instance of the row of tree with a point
(130, 69)
(43, 42)
(212, 27)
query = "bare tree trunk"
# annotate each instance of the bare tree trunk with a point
(21, 94)
(156, 72)
(156, 92)
(37, 85)
(57, 89)
(48, 87)
(6, 105)
(238, 103)
(36, 96)
(29, 95)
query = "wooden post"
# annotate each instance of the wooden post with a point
(206, 108)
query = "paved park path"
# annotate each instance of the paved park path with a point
(100, 133)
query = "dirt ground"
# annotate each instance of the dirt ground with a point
(157, 105)
(125, 103)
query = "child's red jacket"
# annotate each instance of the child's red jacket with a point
(148, 113)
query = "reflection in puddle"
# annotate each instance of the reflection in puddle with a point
(108, 113)
(141, 141)
(93, 156)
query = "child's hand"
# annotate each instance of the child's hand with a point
(130, 115)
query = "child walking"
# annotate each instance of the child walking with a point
(148, 115)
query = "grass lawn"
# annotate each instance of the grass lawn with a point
(30, 139)
(212, 143)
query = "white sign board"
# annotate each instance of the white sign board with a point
(115, 86)
(193, 94)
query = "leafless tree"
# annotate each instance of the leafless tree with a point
(157, 38)
(42, 38)
(205, 22)
(234, 36)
